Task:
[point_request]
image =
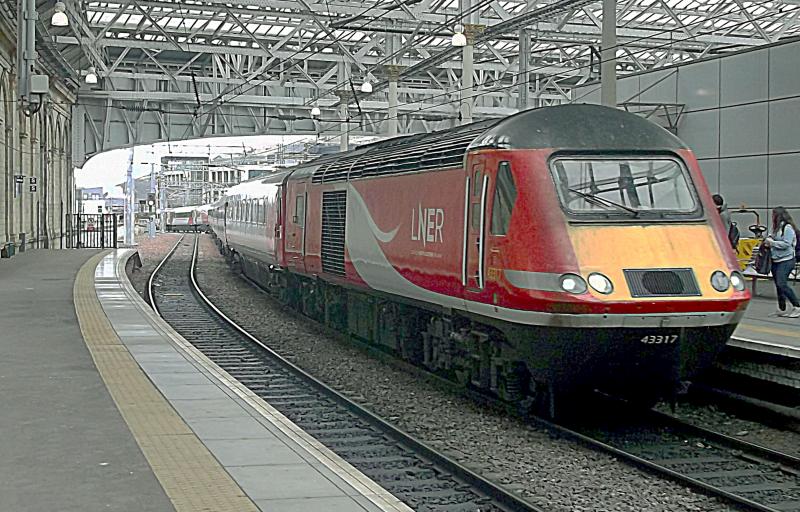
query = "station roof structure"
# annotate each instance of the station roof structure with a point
(176, 69)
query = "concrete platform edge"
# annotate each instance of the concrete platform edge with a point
(191, 477)
(362, 484)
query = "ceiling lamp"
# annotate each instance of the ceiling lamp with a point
(316, 112)
(459, 39)
(59, 18)
(91, 76)
(366, 87)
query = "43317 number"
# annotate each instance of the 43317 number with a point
(660, 339)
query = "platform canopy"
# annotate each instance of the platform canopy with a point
(178, 69)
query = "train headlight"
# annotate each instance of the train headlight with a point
(572, 283)
(600, 283)
(737, 280)
(720, 281)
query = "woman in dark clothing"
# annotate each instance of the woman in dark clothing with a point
(782, 243)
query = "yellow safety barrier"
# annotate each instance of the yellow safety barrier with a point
(744, 251)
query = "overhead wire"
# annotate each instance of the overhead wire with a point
(478, 94)
(477, 6)
(426, 106)
(513, 85)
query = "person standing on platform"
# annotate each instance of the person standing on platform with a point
(722, 208)
(782, 243)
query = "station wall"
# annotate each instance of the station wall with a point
(36, 148)
(741, 120)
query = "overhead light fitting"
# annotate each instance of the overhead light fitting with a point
(315, 111)
(59, 18)
(366, 87)
(91, 76)
(459, 39)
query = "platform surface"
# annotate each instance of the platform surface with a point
(277, 465)
(63, 444)
(764, 333)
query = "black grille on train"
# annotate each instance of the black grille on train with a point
(662, 282)
(334, 211)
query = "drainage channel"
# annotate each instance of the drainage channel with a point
(413, 472)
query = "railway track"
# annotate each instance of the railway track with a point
(415, 473)
(747, 475)
(751, 476)
(752, 385)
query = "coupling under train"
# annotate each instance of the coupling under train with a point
(557, 250)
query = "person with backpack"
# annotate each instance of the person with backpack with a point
(730, 227)
(782, 243)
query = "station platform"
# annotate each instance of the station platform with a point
(107, 408)
(761, 332)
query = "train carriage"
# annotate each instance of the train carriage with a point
(559, 249)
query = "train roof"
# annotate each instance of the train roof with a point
(579, 127)
(253, 186)
(576, 127)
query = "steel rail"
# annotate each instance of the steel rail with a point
(755, 453)
(740, 450)
(502, 497)
(150, 298)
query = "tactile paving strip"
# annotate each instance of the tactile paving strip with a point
(189, 474)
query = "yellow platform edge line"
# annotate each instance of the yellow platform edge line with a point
(770, 330)
(189, 474)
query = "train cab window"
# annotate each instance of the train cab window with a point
(505, 195)
(636, 187)
(299, 210)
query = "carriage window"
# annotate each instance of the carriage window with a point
(263, 211)
(624, 186)
(299, 210)
(505, 195)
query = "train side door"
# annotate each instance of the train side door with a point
(477, 184)
(296, 203)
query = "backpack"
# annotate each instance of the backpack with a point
(763, 260)
(733, 235)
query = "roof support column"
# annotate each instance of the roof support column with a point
(344, 95)
(467, 68)
(608, 55)
(524, 63)
(393, 73)
(130, 197)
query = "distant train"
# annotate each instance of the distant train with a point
(188, 218)
(558, 250)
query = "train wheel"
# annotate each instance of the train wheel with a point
(237, 266)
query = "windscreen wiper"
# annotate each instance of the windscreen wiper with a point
(604, 202)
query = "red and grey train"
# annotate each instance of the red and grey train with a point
(560, 249)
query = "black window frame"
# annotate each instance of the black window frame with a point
(698, 214)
